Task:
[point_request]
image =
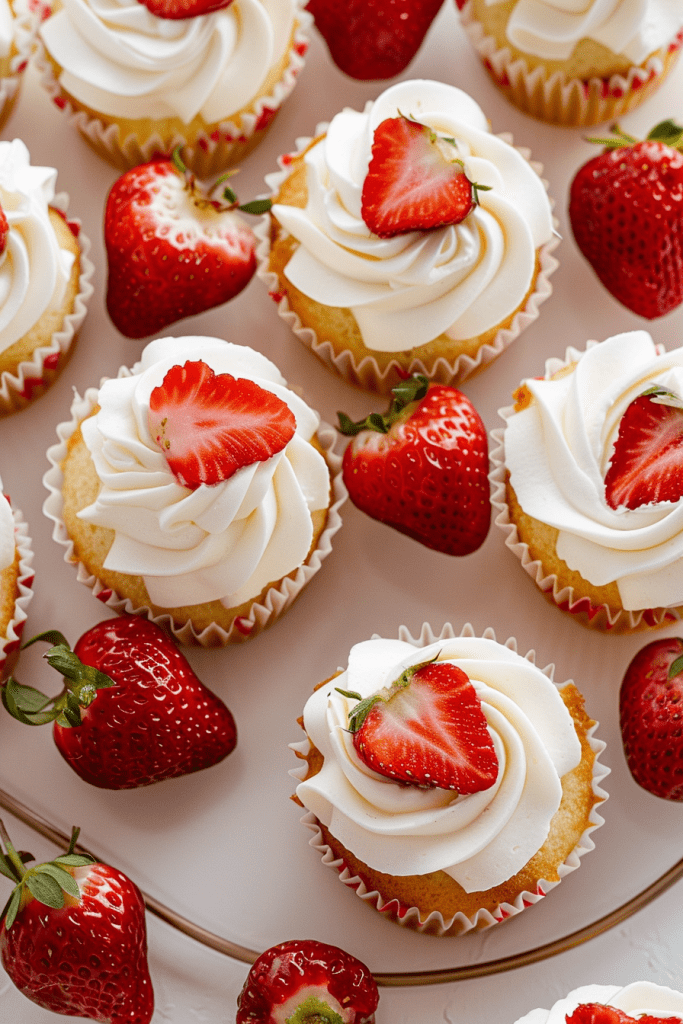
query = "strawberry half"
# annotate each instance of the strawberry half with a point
(176, 10)
(307, 982)
(646, 465)
(427, 729)
(210, 425)
(4, 231)
(415, 182)
(597, 1013)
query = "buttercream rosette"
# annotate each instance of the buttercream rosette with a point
(136, 85)
(614, 569)
(650, 39)
(245, 546)
(16, 581)
(640, 998)
(466, 850)
(443, 302)
(45, 278)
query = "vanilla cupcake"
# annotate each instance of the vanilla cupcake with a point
(16, 579)
(576, 63)
(446, 860)
(588, 481)
(44, 278)
(137, 84)
(211, 533)
(640, 998)
(442, 302)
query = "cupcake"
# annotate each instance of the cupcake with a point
(465, 839)
(442, 299)
(640, 998)
(44, 278)
(210, 531)
(577, 63)
(140, 78)
(16, 579)
(588, 480)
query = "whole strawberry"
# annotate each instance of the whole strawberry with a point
(307, 982)
(132, 711)
(422, 467)
(373, 39)
(626, 212)
(651, 713)
(173, 251)
(598, 1013)
(73, 937)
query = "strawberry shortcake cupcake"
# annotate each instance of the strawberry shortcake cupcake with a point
(210, 531)
(408, 239)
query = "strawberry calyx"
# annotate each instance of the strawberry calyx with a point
(51, 883)
(365, 705)
(411, 390)
(202, 196)
(81, 683)
(667, 132)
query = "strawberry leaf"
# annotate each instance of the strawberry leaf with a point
(675, 667)
(75, 860)
(46, 890)
(256, 206)
(667, 132)
(64, 880)
(12, 908)
(7, 869)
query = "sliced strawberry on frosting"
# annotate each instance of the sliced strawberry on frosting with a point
(175, 10)
(598, 1013)
(210, 425)
(416, 180)
(427, 729)
(646, 465)
(4, 231)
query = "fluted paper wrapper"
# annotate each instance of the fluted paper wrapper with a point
(435, 923)
(11, 641)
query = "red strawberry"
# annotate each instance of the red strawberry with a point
(178, 9)
(373, 39)
(133, 712)
(307, 982)
(208, 426)
(415, 181)
(651, 713)
(172, 250)
(626, 212)
(422, 467)
(427, 729)
(647, 462)
(73, 937)
(597, 1013)
(4, 231)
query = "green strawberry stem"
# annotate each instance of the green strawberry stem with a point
(410, 390)
(81, 683)
(202, 198)
(361, 711)
(676, 665)
(668, 132)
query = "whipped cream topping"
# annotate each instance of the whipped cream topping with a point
(550, 29)
(120, 59)
(7, 541)
(557, 451)
(224, 541)
(641, 997)
(480, 839)
(34, 271)
(459, 280)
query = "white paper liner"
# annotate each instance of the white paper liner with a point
(434, 923)
(601, 616)
(573, 102)
(277, 599)
(365, 372)
(10, 642)
(211, 150)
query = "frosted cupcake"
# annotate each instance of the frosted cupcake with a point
(16, 579)
(138, 84)
(464, 840)
(576, 63)
(44, 278)
(17, 33)
(641, 998)
(441, 301)
(588, 479)
(212, 532)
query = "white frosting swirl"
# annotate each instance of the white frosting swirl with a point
(480, 839)
(225, 541)
(405, 291)
(7, 541)
(550, 29)
(558, 450)
(641, 997)
(34, 271)
(123, 61)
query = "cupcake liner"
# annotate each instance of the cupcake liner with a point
(211, 148)
(34, 376)
(277, 599)
(9, 644)
(366, 373)
(600, 617)
(459, 923)
(572, 102)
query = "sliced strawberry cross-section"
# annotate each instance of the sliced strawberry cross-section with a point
(646, 465)
(210, 425)
(177, 10)
(598, 1013)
